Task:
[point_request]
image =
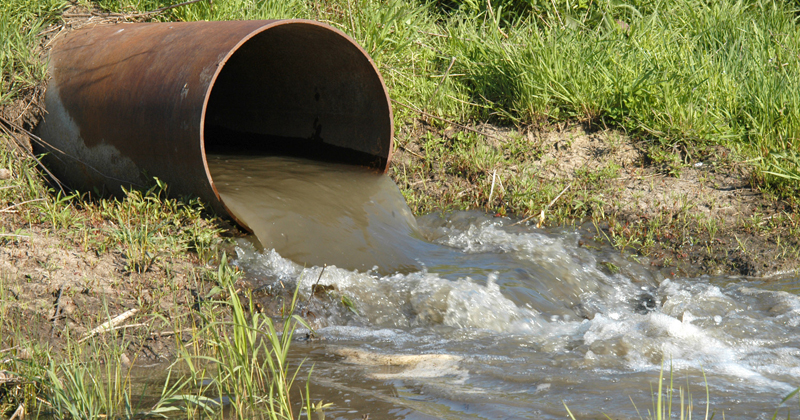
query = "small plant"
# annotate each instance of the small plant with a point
(60, 212)
(793, 394)
(77, 392)
(104, 389)
(147, 225)
(139, 244)
(662, 400)
(611, 267)
(250, 355)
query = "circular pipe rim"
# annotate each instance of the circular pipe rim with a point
(269, 25)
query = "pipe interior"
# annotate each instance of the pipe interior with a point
(300, 89)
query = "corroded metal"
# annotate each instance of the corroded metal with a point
(129, 102)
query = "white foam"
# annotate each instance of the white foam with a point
(737, 332)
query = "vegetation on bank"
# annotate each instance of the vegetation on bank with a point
(142, 227)
(233, 366)
(683, 75)
(21, 66)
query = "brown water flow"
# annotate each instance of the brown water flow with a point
(317, 213)
(472, 316)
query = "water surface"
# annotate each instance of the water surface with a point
(469, 316)
(319, 213)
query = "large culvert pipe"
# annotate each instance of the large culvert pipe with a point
(128, 102)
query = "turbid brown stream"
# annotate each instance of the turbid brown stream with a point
(471, 316)
(317, 213)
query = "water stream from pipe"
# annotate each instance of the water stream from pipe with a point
(470, 316)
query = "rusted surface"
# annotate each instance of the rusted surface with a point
(131, 101)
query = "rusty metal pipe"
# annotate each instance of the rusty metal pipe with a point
(128, 102)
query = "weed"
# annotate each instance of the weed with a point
(793, 394)
(59, 211)
(611, 267)
(662, 401)
(250, 355)
(349, 304)
(139, 245)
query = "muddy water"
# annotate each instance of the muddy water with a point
(495, 320)
(318, 213)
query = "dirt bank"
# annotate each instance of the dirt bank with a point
(52, 291)
(702, 215)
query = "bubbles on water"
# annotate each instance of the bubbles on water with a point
(524, 306)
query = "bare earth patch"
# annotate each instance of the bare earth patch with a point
(643, 191)
(706, 218)
(52, 291)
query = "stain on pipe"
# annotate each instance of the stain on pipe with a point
(128, 102)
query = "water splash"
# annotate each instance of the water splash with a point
(500, 320)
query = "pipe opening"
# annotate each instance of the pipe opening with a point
(300, 89)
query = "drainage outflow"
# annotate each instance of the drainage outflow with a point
(128, 102)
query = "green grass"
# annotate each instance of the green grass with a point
(21, 67)
(146, 228)
(245, 359)
(146, 225)
(683, 75)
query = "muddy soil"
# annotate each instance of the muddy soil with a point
(52, 291)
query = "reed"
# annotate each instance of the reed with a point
(236, 364)
(792, 395)
(246, 357)
(83, 382)
(663, 405)
(78, 391)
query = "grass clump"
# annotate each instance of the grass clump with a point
(21, 67)
(79, 391)
(792, 395)
(681, 74)
(249, 365)
(235, 362)
(145, 225)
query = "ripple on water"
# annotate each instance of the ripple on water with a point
(483, 317)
